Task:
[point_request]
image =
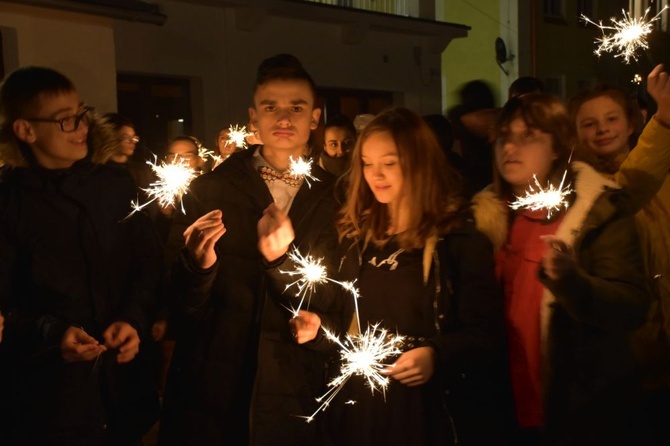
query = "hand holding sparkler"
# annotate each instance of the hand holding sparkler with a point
(414, 367)
(78, 346)
(122, 336)
(558, 261)
(201, 237)
(305, 326)
(658, 86)
(275, 233)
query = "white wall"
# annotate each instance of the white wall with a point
(79, 46)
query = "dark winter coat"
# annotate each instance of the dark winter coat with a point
(238, 376)
(469, 336)
(68, 257)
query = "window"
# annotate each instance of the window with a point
(554, 9)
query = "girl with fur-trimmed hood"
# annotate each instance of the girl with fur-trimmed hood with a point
(572, 282)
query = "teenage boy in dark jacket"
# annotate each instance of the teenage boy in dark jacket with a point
(76, 278)
(238, 374)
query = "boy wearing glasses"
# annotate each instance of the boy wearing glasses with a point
(76, 279)
(239, 375)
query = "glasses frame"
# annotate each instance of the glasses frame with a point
(61, 122)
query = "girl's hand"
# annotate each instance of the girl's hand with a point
(414, 367)
(558, 261)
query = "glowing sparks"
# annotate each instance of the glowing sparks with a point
(301, 168)
(204, 153)
(363, 355)
(310, 272)
(237, 136)
(550, 199)
(173, 181)
(629, 36)
(637, 79)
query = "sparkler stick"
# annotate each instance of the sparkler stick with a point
(237, 135)
(551, 199)
(630, 35)
(173, 181)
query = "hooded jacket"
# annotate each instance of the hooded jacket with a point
(589, 372)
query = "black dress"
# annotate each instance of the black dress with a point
(392, 293)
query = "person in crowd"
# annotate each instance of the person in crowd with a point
(525, 85)
(224, 148)
(572, 281)
(238, 375)
(444, 132)
(125, 131)
(77, 278)
(426, 273)
(604, 118)
(126, 154)
(339, 140)
(185, 148)
(471, 121)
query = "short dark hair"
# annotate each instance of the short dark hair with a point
(341, 121)
(21, 89)
(282, 67)
(117, 121)
(525, 85)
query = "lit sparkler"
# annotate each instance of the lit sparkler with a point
(637, 79)
(237, 135)
(629, 36)
(173, 181)
(204, 153)
(301, 168)
(310, 272)
(363, 355)
(551, 199)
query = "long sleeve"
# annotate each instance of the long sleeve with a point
(476, 333)
(645, 169)
(608, 289)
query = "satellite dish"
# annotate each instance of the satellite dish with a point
(501, 54)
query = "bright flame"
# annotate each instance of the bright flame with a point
(363, 355)
(551, 199)
(630, 35)
(310, 272)
(204, 153)
(173, 181)
(237, 135)
(301, 168)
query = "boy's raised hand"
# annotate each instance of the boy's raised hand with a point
(275, 233)
(658, 86)
(201, 237)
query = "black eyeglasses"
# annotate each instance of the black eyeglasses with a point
(69, 124)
